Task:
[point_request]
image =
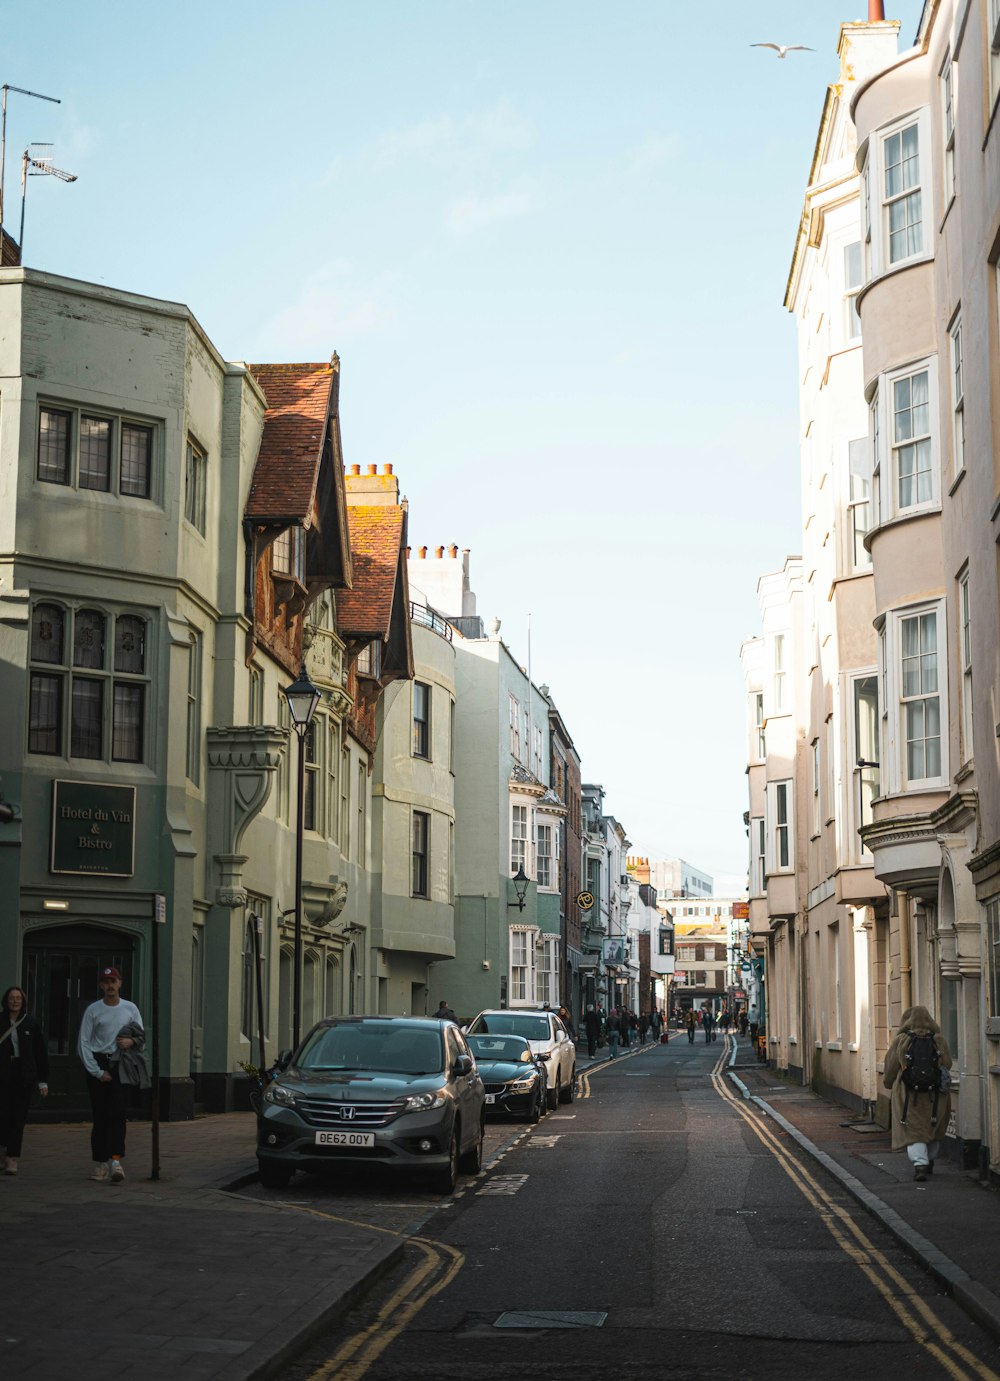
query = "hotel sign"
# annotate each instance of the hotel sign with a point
(93, 829)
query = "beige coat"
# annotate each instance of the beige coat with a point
(918, 1125)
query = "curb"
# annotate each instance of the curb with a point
(977, 1301)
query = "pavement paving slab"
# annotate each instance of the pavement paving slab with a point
(949, 1223)
(173, 1276)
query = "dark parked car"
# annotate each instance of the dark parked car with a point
(514, 1081)
(400, 1092)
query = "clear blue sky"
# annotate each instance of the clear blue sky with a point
(549, 241)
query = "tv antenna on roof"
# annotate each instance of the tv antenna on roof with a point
(36, 161)
(21, 91)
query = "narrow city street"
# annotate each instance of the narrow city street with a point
(659, 1225)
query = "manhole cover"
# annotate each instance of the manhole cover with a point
(551, 1318)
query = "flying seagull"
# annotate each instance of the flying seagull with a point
(782, 48)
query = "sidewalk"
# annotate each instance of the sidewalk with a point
(950, 1223)
(149, 1280)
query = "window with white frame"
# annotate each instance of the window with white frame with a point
(865, 747)
(957, 395)
(760, 743)
(421, 747)
(536, 761)
(518, 838)
(332, 762)
(912, 459)
(757, 865)
(779, 671)
(88, 683)
(345, 802)
(105, 452)
(193, 744)
(965, 638)
(859, 505)
(520, 966)
(919, 697)
(833, 969)
(779, 806)
(420, 854)
(547, 977)
(875, 439)
(311, 742)
(993, 954)
(195, 464)
(816, 809)
(288, 553)
(947, 86)
(853, 283)
(902, 194)
(543, 856)
(515, 728)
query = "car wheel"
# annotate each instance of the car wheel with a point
(471, 1162)
(569, 1091)
(554, 1094)
(444, 1181)
(535, 1111)
(274, 1176)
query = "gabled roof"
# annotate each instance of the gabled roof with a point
(290, 484)
(378, 604)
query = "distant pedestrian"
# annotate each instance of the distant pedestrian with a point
(24, 1066)
(725, 1019)
(655, 1023)
(444, 1012)
(643, 1028)
(916, 1066)
(567, 1021)
(614, 1032)
(690, 1021)
(592, 1028)
(744, 1020)
(102, 1043)
(633, 1029)
(708, 1024)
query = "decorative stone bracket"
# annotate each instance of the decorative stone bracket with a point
(242, 761)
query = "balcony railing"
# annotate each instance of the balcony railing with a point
(430, 618)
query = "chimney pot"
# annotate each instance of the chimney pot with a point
(422, 552)
(387, 469)
(408, 550)
(373, 469)
(439, 553)
(876, 11)
(355, 469)
(453, 551)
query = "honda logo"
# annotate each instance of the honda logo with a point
(347, 1114)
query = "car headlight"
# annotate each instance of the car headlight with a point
(521, 1086)
(279, 1095)
(423, 1102)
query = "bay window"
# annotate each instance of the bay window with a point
(920, 697)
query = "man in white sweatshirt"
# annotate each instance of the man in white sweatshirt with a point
(99, 1046)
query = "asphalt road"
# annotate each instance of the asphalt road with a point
(657, 1227)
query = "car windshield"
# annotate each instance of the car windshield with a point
(511, 1024)
(499, 1048)
(372, 1045)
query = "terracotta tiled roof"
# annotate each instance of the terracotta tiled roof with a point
(376, 535)
(299, 398)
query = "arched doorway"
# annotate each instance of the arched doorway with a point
(60, 970)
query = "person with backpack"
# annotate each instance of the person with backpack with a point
(916, 1070)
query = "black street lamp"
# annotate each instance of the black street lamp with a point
(520, 881)
(302, 697)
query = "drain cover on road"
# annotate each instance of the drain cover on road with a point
(551, 1318)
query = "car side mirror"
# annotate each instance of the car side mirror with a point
(284, 1059)
(463, 1065)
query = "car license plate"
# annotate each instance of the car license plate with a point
(345, 1138)
(491, 1098)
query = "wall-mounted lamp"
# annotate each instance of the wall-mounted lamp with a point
(520, 881)
(55, 905)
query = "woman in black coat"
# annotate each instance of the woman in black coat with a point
(24, 1064)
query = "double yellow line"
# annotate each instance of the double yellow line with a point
(913, 1312)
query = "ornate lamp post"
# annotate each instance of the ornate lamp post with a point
(302, 697)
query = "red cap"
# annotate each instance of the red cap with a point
(108, 973)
